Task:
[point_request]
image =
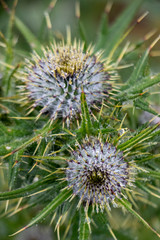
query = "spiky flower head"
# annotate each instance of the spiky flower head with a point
(55, 81)
(98, 173)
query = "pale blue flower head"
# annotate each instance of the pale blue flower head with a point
(98, 173)
(55, 80)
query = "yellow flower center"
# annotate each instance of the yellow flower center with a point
(68, 60)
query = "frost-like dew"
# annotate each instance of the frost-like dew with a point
(98, 173)
(55, 80)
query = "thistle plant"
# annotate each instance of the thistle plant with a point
(68, 146)
(98, 173)
(55, 81)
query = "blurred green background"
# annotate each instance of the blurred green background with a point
(32, 12)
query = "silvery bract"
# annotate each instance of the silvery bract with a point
(98, 173)
(56, 80)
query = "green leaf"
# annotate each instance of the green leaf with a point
(13, 169)
(81, 29)
(84, 231)
(47, 157)
(40, 133)
(21, 192)
(154, 134)
(127, 205)
(9, 49)
(82, 33)
(75, 225)
(8, 85)
(108, 130)
(48, 11)
(136, 139)
(138, 71)
(3, 129)
(102, 32)
(86, 126)
(117, 30)
(8, 142)
(151, 174)
(146, 189)
(143, 84)
(148, 158)
(144, 105)
(48, 209)
(135, 90)
(28, 35)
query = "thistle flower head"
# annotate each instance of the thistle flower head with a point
(98, 173)
(55, 81)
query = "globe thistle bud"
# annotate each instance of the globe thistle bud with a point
(55, 81)
(98, 173)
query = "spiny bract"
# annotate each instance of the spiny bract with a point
(55, 81)
(98, 173)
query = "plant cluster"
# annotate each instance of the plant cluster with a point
(67, 145)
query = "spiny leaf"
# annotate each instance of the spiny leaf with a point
(47, 11)
(138, 70)
(146, 189)
(86, 126)
(8, 85)
(47, 157)
(154, 134)
(9, 145)
(102, 32)
(119, 27)
(31, 39)
(144, 105)
(22, 146)
(3, 129)
(80, 25)
(148, 158)
(143, 84)
(9, 48)
(134, 140)
(84, 231)
(40, 133)
(82, 33)
(21, 192)
(48, 209)
(141, 68)
(108, 130)
(137, 89)
(127, 205)
(13, 169)
(75, 226)
(151, 174)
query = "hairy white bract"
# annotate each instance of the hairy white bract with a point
(98, 173)
(55, 80)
